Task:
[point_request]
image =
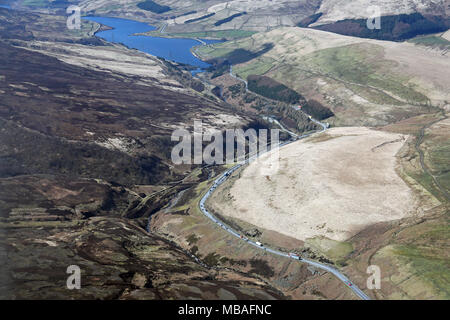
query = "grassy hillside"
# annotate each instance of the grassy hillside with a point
(412, 253)
(81, 126)
(433, 41)
(394, 28)
(373, 83)
(364, 82)
(261, 15)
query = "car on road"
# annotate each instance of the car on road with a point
(243, 238)
(259, 244)
(293, 255)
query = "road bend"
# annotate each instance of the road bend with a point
(222, 178)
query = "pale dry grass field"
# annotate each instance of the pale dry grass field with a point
(331, 185)
(334, 10)
(446, 35)
(115, 58)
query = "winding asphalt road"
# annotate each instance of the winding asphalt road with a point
(228, 229)
(237, 78)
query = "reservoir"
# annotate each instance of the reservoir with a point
(173, 49)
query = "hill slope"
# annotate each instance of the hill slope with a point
(364, 82)
(82, 123)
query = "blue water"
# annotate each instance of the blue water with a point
(177, 50)
(5, 6)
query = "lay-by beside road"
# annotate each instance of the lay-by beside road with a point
(259, 245)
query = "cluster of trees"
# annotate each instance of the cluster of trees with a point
(309, 20)
(152, 6)
(200, 18)
(272, 89)
(184, 14)
(228, 19)
(197, 85)
(219, 69)
(236, 89)
(317, 110)
(393, 28)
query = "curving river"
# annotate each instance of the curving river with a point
(173, 49)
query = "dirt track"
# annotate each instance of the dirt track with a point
(331, 185)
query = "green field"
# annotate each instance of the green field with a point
(432, 41)
(427, 262)
(355, 65)
(212, 35)
(222, 34)
(211, 52)
(259, 66)
(334, 250)
(437, 159)
(363, 65)
(223, 49)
